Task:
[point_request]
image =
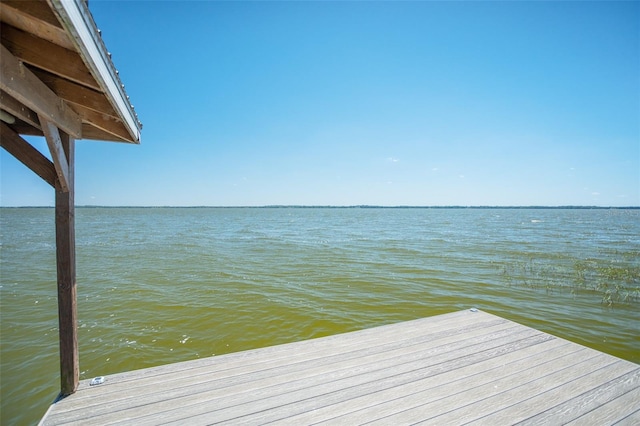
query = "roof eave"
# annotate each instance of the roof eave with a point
(77, 20)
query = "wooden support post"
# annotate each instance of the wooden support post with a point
(66, 261)
(52, 134)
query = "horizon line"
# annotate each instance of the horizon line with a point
(317, 206)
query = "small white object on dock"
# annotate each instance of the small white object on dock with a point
(97, 381)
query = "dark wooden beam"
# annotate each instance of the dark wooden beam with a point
(33, 10)
(52, 135)
(107, 123)
(35, 17)
(27, 154)
(76, 93)
(47, 56)
(66, 264)
(19, 82)
(18, 110)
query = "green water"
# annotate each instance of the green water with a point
(161, 285)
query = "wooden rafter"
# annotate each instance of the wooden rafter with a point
(76, 93)
(27, 154)
(47, 56)
(36, 18)
(23, 85)
(59, 43)
(18, 110)
(107, 123)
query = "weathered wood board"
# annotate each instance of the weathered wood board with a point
(463, 367)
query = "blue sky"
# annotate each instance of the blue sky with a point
(384, 103)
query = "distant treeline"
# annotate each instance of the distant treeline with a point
(364, 206)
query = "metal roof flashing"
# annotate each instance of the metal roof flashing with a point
(78, 21)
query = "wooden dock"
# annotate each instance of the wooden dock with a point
(463, 367)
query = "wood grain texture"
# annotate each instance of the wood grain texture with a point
(47, 69)
(35, 17)
(27, 154)
(54, 142)
(48, 56)
(75, 93)
(110, 126)
(459, 367)
(18, 110)
(66, 266)
(19, 82)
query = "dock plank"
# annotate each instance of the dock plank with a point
(614, 411)
(448, 396)
(467, 366)
(349, 406)
(285, 378)
(475, 404)
(289, 355)
(232, 381)
(283, 396)
(601, 386)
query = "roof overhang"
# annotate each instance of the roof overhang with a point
(55, 64)
(57, 81)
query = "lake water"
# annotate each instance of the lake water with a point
(161, 285)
